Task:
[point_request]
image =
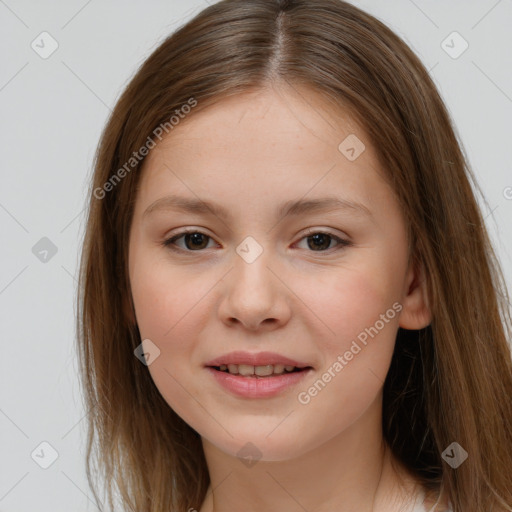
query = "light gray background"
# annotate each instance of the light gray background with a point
(53, 111)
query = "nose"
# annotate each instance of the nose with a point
(254, 296)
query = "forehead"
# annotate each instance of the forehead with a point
(264, 143)
(270, 118)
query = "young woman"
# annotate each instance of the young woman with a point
(289, 300)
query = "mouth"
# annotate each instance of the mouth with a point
(258, 380)
(260, 371)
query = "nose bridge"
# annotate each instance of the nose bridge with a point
(251, 265)
(253, 292)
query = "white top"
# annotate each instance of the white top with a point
(420, 507)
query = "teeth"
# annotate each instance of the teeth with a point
(278, 368)
(261, 371)
(245, 369)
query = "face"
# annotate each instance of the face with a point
(262, 285)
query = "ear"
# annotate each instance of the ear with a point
(416, 311)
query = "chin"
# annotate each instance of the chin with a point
(253, 445)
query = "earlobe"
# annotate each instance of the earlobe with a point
(416, 310)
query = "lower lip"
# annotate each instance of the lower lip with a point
(258, 387)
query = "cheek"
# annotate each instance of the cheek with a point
(168, 310)
(166, 300)
(350, 302)
(360, 310)
(358, 305)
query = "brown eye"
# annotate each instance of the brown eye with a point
(319, 241)
(193, 240)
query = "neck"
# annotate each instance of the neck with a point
(353, 470)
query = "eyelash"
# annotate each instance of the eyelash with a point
(169, 243)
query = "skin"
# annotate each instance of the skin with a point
(250, 153)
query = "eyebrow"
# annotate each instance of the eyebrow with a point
(289, 208)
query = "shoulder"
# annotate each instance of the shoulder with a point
(436, 502)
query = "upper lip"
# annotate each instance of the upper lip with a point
(255, 359)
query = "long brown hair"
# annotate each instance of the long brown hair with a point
(450, 382)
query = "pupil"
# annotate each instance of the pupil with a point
(321, 236)
(194, 237)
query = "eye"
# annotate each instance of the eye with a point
(193, 238)
(321, 239)
(196, 240)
